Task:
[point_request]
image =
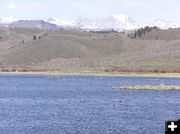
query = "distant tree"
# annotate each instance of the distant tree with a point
(135, 35)
(142, 31)
(39, 37)
(22, 41)
(34, 37)
(0, 37)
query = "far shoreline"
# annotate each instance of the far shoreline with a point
(111, 74)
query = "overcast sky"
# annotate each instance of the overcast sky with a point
(142, 11)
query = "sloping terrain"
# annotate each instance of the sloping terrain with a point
(77, 50)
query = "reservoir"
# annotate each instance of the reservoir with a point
(45, 104)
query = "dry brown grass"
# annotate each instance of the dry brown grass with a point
(109, 52)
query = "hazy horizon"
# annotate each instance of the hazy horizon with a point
(139, 10)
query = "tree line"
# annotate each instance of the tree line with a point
(142, 31)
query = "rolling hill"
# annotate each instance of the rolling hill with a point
(75, 50)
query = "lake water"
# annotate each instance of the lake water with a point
(84, 105)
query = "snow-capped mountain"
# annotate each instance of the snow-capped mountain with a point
(116, 22)
(7, 20)
(63, 23)
(4, 22)
(163, 24)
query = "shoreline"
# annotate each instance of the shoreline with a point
(123, 74)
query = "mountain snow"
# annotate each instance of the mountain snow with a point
(7, 20)
(62, 23)
(163, 24)
(115, 22)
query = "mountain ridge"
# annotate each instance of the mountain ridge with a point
(118, 23)
(163, 24)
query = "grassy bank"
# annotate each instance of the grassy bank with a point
(148, 88)
(93, 73)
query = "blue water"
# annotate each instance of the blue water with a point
(84, 105)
